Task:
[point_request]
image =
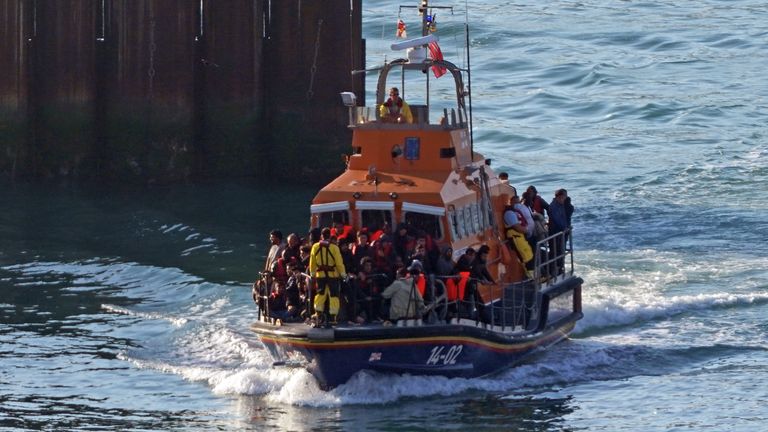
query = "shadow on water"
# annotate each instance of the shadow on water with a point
(217, 231)
(494, 412)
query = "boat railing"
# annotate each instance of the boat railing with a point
(516, 306)
(553, 258)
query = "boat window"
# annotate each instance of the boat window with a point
(327, 219)
(430, 224)
(467, 220)
(484, 220)
(460, 227)
(473, 208)
(374, 220)
(452, 225)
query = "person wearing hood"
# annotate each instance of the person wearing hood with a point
(406, 301)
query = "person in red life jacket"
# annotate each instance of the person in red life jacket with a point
(535, 201)
(280, 267)
(327, 267)
(395, 109)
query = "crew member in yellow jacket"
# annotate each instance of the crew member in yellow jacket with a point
(395, 110)
(327, 267)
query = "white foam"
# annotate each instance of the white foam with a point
(622, 311)
(175, 321)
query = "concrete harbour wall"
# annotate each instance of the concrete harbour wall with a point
(170, 90)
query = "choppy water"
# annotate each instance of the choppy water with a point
(129, 309)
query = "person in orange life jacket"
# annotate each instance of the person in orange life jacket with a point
(327, 267)
(395, 110)
(406, 300)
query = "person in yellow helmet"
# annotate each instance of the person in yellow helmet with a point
(327, 267)
(395, 110)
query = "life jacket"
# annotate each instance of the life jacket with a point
(375, 236)
(421, 284)
(327, 263)
(390, 104)
(521, 245)
(279, 270)
(510, 231)
(455, 291)
(344, 232)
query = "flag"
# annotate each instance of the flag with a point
(436, 54)
(401, 29)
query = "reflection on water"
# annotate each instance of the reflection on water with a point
(493, 412)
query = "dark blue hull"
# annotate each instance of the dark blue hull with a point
(466, 349)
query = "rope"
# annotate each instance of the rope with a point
(310, 92)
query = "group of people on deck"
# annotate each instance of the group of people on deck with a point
(379, 276)
(525, 223)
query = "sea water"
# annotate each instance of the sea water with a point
(129, 309)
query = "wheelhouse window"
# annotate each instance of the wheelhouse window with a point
(328, 214)
(430, 224)
(374, 220)
(328, 219)
(425, 218)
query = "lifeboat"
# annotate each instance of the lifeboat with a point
(425, 174)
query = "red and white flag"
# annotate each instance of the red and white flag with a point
(401, 33)
(436, 54)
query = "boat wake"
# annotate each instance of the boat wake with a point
(622, 311)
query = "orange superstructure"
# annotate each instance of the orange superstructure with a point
(423, 173)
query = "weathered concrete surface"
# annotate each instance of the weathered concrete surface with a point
(164, 90)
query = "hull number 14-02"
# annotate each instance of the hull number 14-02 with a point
(444, 355)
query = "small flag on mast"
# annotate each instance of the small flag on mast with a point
(401, 33)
